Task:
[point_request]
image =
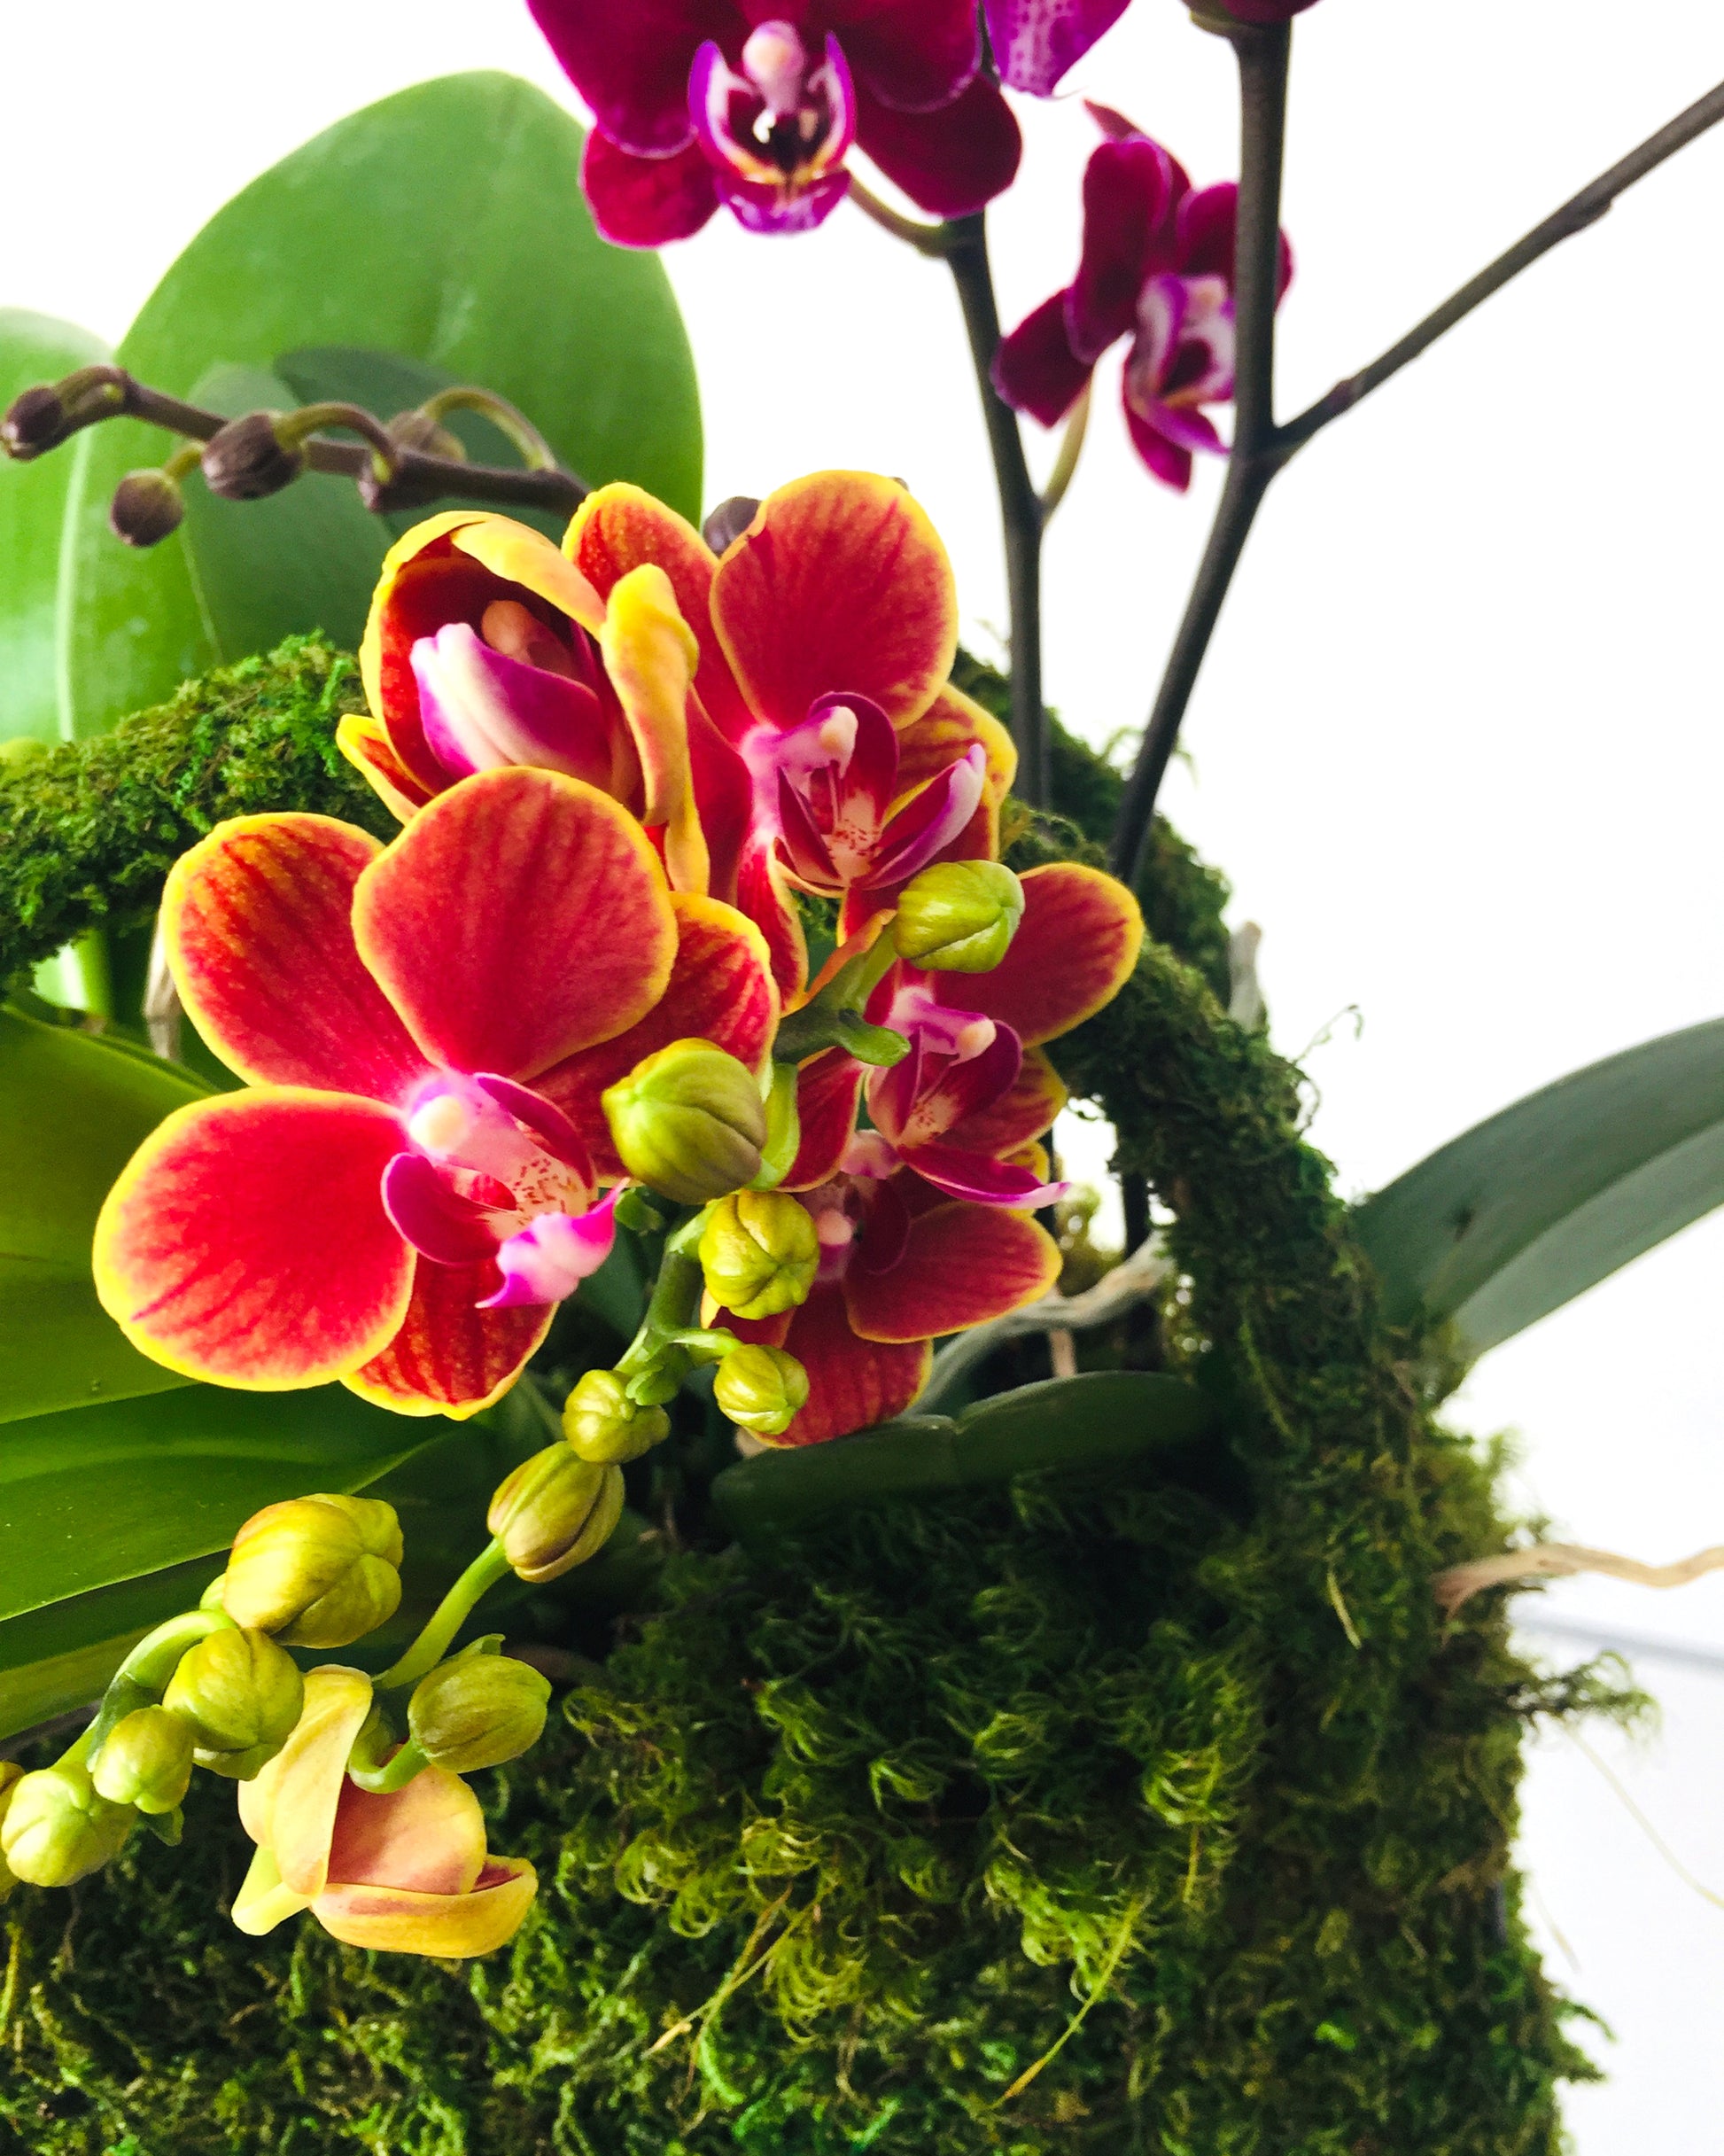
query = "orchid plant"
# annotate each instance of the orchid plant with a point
(695, 927)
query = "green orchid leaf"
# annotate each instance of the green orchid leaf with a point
(33, 348)
(1530, 1208)
(62, 1656)
(445, 224)
(96, 1495)
(1102, 1420)
(74, 1107)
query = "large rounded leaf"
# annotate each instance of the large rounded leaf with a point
(33, 348)
(1102, 1420)
(1529, 1209)
(74, 1108)
(445, 223)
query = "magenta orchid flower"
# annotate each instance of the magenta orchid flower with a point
(1157, 266)
(1035, 42)
(406, 1189)
(699, 103)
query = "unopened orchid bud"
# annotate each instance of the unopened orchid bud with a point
(319, 1571)
(477, 1711)
(248, 459)
(761, 1389)
(146, 1760)
(759, 1253)
(58, 1828)
(604, 1425)
(242, 1694)
(958, 916)
(146, 507)
(11, 1775)
(688, 1122)
(554, 1512)
(49, 413)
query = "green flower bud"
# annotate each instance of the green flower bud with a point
(242, 1694)
(761, 1389)
(477, 1711)
(759, 1253)
(11, 1775)
(56, 1828)
(554, 1512)
(688, 1122)
(146, 1761)
(319, 1571)
(958, 916)
(603, 1424)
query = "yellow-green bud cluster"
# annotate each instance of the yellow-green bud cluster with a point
(319, 1571)
(57, 1828)
(478, 1711)
(958, 916)
(761, 1389)
(240, 1694)
(554, 1512)
(688, 1122)
(146, 1760)
(759, 1253)
(603, 1425)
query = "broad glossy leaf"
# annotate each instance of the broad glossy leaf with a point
(445, 224)
(74, 1107)
(62, 1656)
(1529, 1209)
(95, 1495)
(33, 348)
(1077, 1424)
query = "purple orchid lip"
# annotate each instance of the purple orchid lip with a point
(777, 133)
(481, 709)
(981, 1180)
(431, 1215)
(546, 1261)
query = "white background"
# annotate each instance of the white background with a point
(1458, 746)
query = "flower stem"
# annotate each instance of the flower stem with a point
(929, 239)
(447, 1620)
(1021, 510)
(1071, 447)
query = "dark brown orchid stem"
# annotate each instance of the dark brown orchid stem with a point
(1272, 449)
(1022, 513)
(109, 393)
(1262, 54)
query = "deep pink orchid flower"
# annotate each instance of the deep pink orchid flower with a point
(1035, 42)
(920, 1219)
(699, 103)
(406, 1188)
(1157, 266)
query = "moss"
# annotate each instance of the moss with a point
(836, 1846)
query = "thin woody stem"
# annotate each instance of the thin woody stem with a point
(1020, 509)
(418, 478)
(1268, 451)
(930, 240)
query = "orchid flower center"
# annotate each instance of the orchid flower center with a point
(785, 120)
(489, 1156)
(1183, 352)
(515, 690)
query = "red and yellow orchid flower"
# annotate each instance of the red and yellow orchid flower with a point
(919, 1219)
(407, 1872)
(405, 1188)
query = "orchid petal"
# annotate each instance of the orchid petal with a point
(1206, 230)
(1019, 1114)
(451, 1927)
(852, 1383)
(932, 819)
(450, 1357)
(366, 745)
(1127, 198)
(720, 989)
(308, 1777)
(436, 1218)
(650, 655)
(544, 1119)
(481, 709)
(840, 584)
(1034, 41)
(263, 1901)
(951, 162)
(962, 1265)
(647, 201)
(915, 55)
(777, 208)
(548, 1258)
(246, 1240)
(1074, 948)
(428, 1837)
(631, 63)
(764, 895)
(519, 917)
(1166, 460)
(982, 1181)
(1036, 370)
(828, 1086)
(256, 920)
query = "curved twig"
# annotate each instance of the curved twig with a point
(1559, 1560)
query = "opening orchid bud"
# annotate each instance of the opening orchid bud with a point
(761, 1389)
(249, 459)
(688, 1122)
(146, 507)
(958, 916)
(759, 1253)
(320, 1571)
(554, 1512)
(146, 1761)
(58, 1829)
(478, 1711)
(604, 1425)
(242, 1695)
